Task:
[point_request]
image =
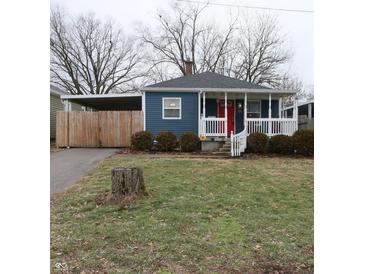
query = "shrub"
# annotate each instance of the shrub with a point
(166, 141)
(303, 142)
(142, 140)
(282, 144)
(257, 143)
(189, 141)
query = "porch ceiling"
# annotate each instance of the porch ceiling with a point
(236, 95)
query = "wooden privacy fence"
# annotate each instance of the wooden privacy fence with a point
(97, 129)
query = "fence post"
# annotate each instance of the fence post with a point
(68, 129)
(99, 126)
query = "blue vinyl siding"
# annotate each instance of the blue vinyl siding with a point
(239, 115)
(211, 107)
(189, 113)
(265, 108)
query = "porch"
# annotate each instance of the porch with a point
(224, 114)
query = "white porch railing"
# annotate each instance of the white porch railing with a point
(238, 143)
(273, 126)
(213, 126)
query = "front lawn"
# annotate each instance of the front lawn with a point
(203, 215)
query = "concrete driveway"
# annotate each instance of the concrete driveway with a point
(70, 165)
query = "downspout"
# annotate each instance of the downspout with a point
(66, 105)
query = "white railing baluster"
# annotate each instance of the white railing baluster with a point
(238, 143)
(271, 127)
(216, 126)
(212, 126)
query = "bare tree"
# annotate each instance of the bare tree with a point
(254, 51)
(182, 36)
(259, 52)
(289, 82)
(91, 57)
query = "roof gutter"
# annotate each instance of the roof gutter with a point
(232, 90)
(300, 104)
(98, 96)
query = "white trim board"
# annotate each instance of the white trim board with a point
(144, 110)
(98, 96)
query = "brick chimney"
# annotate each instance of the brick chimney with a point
(188, 67)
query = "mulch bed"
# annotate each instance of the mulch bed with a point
(209, 155)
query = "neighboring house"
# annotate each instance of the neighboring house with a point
(305, 110)
(215, 107)
(56, 104)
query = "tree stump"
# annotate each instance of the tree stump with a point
(127, 182)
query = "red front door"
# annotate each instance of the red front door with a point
(230, 114)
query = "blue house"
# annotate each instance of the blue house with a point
(221, 110)
(217, 108)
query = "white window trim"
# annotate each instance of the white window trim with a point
(254, 112)
(163, 108)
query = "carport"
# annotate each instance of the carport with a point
(105, 102)
(106, 120)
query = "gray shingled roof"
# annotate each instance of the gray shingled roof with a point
(206, 80)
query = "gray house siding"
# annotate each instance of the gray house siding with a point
(189, 113)
(56, 105)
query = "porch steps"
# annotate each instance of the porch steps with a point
(225, 150)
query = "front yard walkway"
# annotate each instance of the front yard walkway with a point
(202, 216)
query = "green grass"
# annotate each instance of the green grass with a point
(203, 215)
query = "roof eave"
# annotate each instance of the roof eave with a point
(240, 90)
(300, 104)
(114, 95)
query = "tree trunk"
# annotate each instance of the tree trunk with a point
(127, 181)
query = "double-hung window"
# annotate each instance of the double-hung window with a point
(253, 109)
(171, 108)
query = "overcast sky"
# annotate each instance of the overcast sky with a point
(297, 26)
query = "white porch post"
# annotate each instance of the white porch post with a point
(280, 107)
(199, 114)
(245, 112)
(296, 113)
(270, 122)
(204, 104)
(225, 114)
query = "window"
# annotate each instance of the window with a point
(253, 109)
(171, 108)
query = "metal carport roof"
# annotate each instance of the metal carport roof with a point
(123, 101)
